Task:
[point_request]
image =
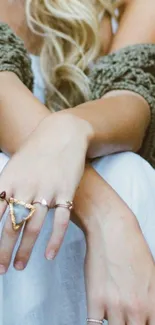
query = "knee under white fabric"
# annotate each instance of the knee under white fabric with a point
(53, 292)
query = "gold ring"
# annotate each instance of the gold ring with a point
(66, 204)
(20, 212)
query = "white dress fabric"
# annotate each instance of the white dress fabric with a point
(53, 293)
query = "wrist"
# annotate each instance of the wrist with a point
(79, 128)
(98, 207)
(88, 202)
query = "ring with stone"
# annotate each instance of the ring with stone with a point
(20, 212)
(42, 202)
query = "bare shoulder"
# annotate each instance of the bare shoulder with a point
(137, 24)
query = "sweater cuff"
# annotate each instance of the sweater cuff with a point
(14, 57)
(131, 68)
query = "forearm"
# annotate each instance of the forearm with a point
(96, 203)
(20, 112)
(112, 125)
(119, 122)
(89, 203)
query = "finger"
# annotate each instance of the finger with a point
(4, 200)
(3, 207)
(60, 225)
(5, 186)
(151, 311)
(94, 321)
(31, 232)
(116, 317)
(134, 322)
(95, 307)
(151, 322)
(10, 235)
(95, 315)
(7, 243)
(136, 314)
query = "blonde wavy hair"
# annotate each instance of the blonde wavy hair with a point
(70, 31)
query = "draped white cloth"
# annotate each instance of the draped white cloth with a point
(53, 293)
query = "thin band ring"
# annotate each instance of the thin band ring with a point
(43, 202)
(91, 320)
(67, 205)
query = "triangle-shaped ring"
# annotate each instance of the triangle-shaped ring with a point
(27, 210)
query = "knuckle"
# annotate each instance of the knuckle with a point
(9, 232)
(4, 258)
(23, 255)
(97, 298)
(56, 250)
(55, 244)
(63, 223)
(113, 301)
(136, 308)
(33, 231)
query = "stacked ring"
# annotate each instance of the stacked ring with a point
(66, 204)
(21, 212)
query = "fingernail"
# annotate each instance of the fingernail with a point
(19, 265)
(2, 269)
(50, 255)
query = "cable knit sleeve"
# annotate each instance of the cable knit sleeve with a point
(14, 57)
(131, 68)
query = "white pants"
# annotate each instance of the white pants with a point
(52, 293)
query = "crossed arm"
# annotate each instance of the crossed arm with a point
(20, 112)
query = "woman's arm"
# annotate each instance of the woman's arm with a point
(118, 122)
(118, 264)
(93, 116)
(20, 112)
(112, 119)
(137, 24)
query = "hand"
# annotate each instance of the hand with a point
(49, 165)
(119, 269)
